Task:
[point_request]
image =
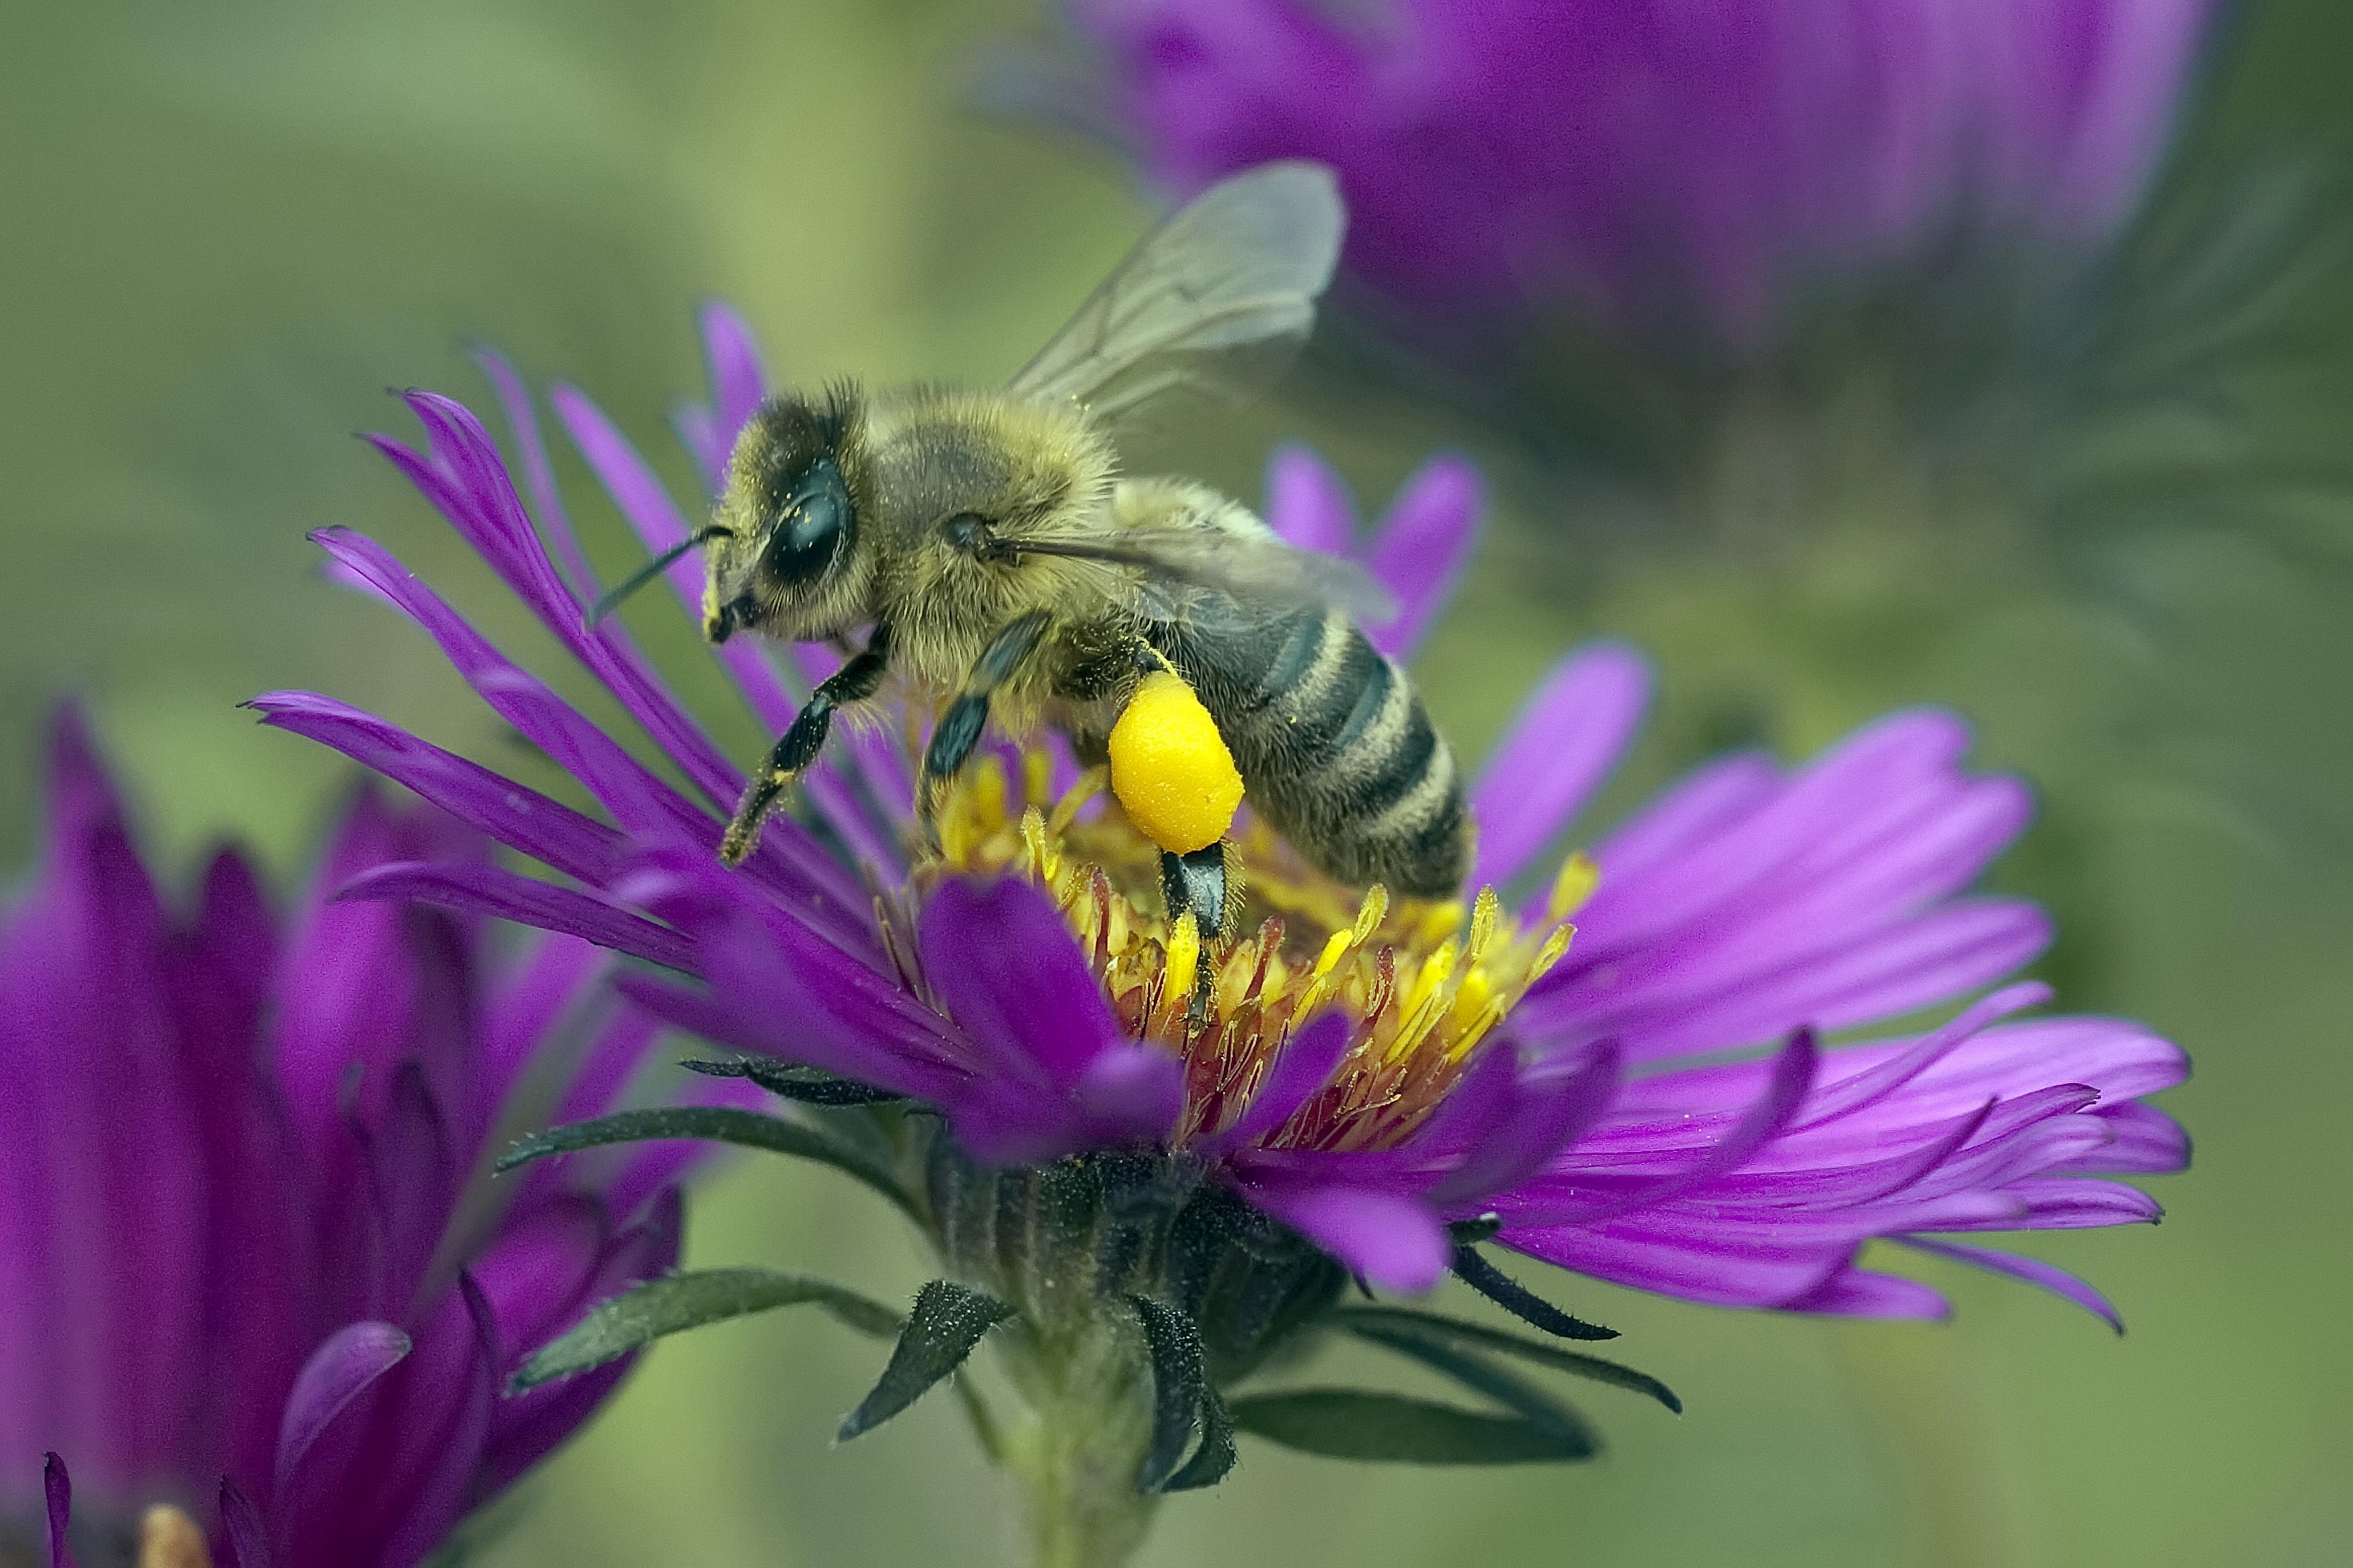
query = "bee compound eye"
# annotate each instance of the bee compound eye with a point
(810, 527)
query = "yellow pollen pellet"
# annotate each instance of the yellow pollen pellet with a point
(1170, 768)
(1037, 775)
(1579, 877)
(1183, 958)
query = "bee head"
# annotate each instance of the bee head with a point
(783, 554)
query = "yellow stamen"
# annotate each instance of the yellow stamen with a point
(988, 793)
(1439, 921)
(169, 1539)
(1435, 972)
(1066, 810)
(1045, 865)
(1183, 961)
(1575, 884)
(1037, 775)
(1550, 953)
(1420, 983)
(1484, 916)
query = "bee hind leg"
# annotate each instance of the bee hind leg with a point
(801, 744)
(1207, 884)
(960, 726)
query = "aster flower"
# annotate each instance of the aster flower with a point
(1648, 164)
(1142, 1200)
(248, 1285)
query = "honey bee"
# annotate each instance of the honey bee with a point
(1008, 570)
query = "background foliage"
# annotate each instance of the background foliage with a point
(225, 228)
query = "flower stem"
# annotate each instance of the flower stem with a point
(1078, 1452)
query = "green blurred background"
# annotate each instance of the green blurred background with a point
(224, 229)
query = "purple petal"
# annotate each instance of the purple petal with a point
(1045, 1015)
(561, 976)
(526, 901)
(1423, 543)
(1391, 1240)
(387, 1478)
(647, 505)
(1861, 1293)
(1554, 1102)
(522, 420)
(1568, 735)
(57, 1494)
(546, 830)
(1701, 805)
(1306, 1064)
(529, 1426)
(353, 1357)
(1876, 1083)
(464, 479)
(245, 1541)
(1728, 1269)
(1307, 504)
(1131, 1092)
(2034, 1271)
(2144, 1141)
(737, 381)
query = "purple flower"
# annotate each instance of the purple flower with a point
(245, 1275)
(1651, 1103)
(1646, 163)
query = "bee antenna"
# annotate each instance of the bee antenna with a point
(652, 569)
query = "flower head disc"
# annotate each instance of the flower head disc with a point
(1419, 987)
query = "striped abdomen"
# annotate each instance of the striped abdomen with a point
(1334, 747)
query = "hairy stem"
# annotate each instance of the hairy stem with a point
(1083, 1439)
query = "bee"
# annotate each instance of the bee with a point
(1007, 570)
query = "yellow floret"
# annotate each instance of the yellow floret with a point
(1170, 768)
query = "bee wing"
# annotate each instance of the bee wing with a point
(1224, 291)
(1248, 567)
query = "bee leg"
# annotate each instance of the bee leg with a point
(801, 741)
(959, 729)
(1206, 883)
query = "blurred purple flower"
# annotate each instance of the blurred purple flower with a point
(1368, 1075)
(242, 1255)
(1653, 165)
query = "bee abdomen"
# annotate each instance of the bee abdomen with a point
(1335, 747)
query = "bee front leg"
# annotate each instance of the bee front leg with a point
(960, 726)
(854, 681)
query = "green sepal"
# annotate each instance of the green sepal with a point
(1356, 1423)
(1392, 1326)
(1215, 1455)
(677, 1302)
(718, 1124)
(1505, 1388)
(1183, 1398)
(788, 1081)
(1475, 1270)
(947, 1322)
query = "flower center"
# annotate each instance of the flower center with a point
(1422, 983)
